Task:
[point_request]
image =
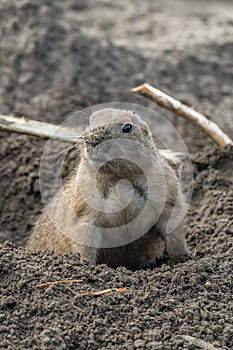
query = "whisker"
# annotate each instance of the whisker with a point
(75, 107)
(68, 158)
(88, 102)
(60, 154)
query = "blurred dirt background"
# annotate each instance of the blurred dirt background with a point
(57, 56)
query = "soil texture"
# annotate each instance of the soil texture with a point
(58, 56)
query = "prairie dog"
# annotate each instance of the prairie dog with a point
(116, 208)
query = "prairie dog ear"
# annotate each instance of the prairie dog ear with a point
(145, 129)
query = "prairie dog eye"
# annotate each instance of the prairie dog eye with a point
(127, 128)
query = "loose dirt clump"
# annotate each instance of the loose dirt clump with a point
(159, 306)
(210, 219)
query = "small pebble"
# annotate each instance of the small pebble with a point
(139, 343)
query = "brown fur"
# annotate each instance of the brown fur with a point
(140, 251)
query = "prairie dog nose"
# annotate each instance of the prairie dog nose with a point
(94, 142)
(94, 138)
(96, 135)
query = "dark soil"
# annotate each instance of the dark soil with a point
(159, 307)
(55, 56)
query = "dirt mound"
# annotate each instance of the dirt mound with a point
(210, 219)
(20, 199)
(19, 176)
(159, 307)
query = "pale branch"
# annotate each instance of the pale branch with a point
(36, 128)
(47, 130)
(170, 103)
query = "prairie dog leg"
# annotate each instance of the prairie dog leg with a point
(175, 247)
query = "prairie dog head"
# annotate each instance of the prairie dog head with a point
(119, 137)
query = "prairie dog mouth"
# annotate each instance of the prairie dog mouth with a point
(105, 150)
(98, 152)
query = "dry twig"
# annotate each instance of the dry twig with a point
(58, 282)
(104, 291)
(184, 111)
(32, 127)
